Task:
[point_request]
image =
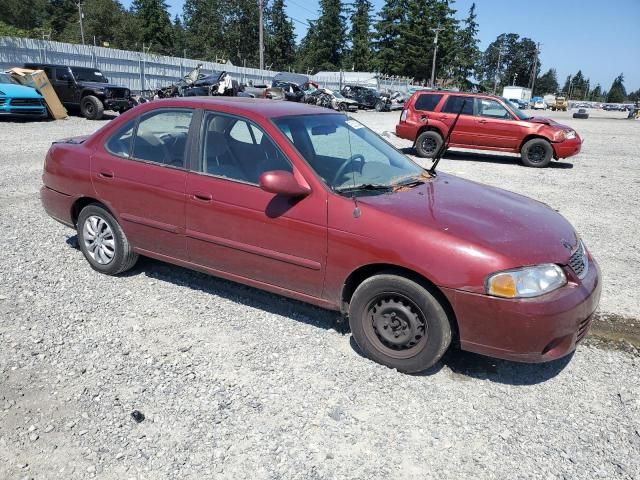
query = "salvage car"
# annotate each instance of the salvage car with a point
(20, 101)
(308, 203)
(367, 97)
(292, 84)
(487, 122)
(85, 89)
(323, 97)
(198, 84)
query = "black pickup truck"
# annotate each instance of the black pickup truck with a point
(85, 89)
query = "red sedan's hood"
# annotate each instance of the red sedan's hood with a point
(75, 140)
(519, 230)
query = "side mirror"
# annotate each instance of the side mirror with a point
(282, 183)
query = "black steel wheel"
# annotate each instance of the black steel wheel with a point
(91, 108)
(536, 153)
(428, 143)
(399, 323)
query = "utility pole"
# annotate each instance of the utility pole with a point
(534, 74)
(261, 6)
(495, 83)
(515, 77)
(80, 15)
(435, 53)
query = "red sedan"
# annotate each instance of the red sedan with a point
(308, 203)
(486, 122)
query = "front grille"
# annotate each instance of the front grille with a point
(2, 101)
(579, 262)
(583, 328)
(26, 102)
(115, 93)
(26, 110)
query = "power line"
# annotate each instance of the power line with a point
(302, 6)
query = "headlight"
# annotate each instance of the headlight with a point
(570, 134)
(526, 282)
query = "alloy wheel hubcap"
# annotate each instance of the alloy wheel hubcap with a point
(98, 240)
(536, 154)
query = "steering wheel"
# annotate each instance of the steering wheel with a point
(346, 163)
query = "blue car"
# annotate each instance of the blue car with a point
(19, 101)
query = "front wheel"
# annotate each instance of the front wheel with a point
(398, 323)
(103, 242)
(536, 153)
(91, 108)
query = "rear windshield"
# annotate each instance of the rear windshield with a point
(428, 101)
(454, 103)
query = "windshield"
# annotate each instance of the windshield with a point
(347, 155)
(514, 108)
(88, 75)
(336, 94)
(5, 78)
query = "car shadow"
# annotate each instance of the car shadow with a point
(461, 365)
(485, 158)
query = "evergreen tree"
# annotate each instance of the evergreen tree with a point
(360, 35)
(467, 51)
(305, 55)
(179, 36)
(596, 94)
(280, 46)
(155, 25)
(204, 22)
(547, 83)
(24, 14)
(330, 39)
(634, 96)
(241, 33)
(576, 86)
(62, 14)
(517, 57)
(388, 31)
(617, 92)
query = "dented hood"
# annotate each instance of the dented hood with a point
(548, 121)
(486, 219)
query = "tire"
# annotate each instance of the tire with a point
(113, 254)
(428, 143)
(581, 115)
(536, 153)
(91, 108)
(399, 323)
(379, 107)
(342, 107)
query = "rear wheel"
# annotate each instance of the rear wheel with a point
(379, 106)
(399, 323)
(428, 143)
(536, 153)
(103, 242)
(91, 108)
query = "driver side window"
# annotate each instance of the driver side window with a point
(492, 109)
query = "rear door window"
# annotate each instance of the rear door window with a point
(455, 102)
(161, 137)
(427, 102)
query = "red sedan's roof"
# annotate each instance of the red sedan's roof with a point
(247, 106)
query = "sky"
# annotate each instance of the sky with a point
(600, 38)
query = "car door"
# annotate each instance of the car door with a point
(234, 226)
(465, 130)
(496, 125)
(64, 85)
(140, 173)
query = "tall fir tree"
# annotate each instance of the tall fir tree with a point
(329, 40)
(204, 22)
(617, 93)
(360, 35)
(155, 25)
(546, 83)
(387, 36)
(467, 53)
(280, 47)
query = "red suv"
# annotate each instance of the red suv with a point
(486, 122)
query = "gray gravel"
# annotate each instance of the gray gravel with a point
(236, 383)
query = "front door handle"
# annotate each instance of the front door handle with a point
(482, 121)
(203, 197)
(105, 174)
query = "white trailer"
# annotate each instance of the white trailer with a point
(519, 93)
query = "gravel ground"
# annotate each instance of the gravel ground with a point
(237, 383)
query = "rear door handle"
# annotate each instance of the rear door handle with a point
(105, 174)
(203, 197)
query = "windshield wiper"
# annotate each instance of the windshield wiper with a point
(368, 187)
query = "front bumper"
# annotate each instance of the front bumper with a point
(24, 112)
(568, 148)
(528, 330)
(117, 104)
